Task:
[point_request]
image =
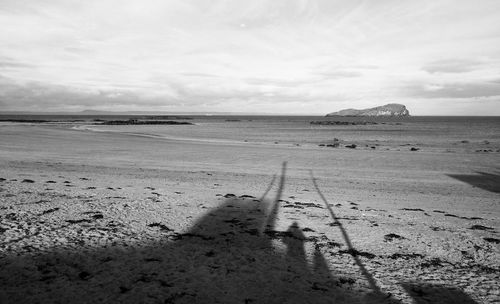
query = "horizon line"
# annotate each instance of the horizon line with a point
(153, 113)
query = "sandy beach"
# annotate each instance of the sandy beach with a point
(92, 217)
(250, 152)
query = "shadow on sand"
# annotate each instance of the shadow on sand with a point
(483, 180)
(228, 256)
(430, 293)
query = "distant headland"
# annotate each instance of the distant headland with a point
(391, 109)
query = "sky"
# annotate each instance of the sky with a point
(437, 57)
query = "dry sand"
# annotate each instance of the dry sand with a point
(96, 217)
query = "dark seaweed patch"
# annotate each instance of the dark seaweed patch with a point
(392, 236)
(492, 240)
(480, 227)
(161, 226)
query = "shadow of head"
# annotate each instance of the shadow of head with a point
(430, 293)
(483, 180)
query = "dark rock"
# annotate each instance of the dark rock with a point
(124, 289)
(492, 240)
(50, 210)
(405, 256)
(26, 120)
(84, 275)
(480, 227)
(161, 226)
(341, 123)
(412, 209)
(414, 149)
(355, 252)
(392, 236)
(344, 280)
(246, 196)
(330, 245)
(180, 236)
(78, 221)
(352, 146)
(145, 122)
(30, 181)
(310, 205)
(228, 195)
(434, 228)
(210, 253)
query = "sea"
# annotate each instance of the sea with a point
(433, 132)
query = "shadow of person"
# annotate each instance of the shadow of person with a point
(243, 264)
(294, 241)
(424, 293)
(228, 256)
(232, 254)
(483, 180)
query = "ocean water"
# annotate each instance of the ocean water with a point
(437, 132)
(441, 133)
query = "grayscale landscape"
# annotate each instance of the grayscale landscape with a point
(225, 152)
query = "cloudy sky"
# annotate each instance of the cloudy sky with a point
(438, 57)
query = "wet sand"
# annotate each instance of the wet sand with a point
(101, 217)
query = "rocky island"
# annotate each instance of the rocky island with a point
(392, 109)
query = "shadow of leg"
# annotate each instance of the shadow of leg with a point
(351, 249)
(271, 220)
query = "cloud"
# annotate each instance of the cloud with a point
(296, 56)
(455, 90)
(8, 63)
(338, 74)
(34, 96)
(452, 66)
